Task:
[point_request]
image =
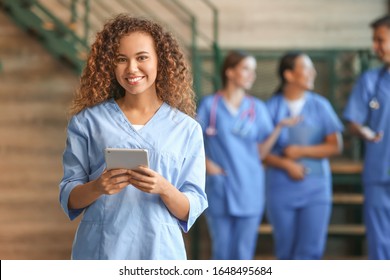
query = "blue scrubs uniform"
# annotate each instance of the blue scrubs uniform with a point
(236, 199)
(133, 224)
(299, 211)
(374, 84)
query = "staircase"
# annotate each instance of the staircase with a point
(35, 90)
(36, 87)
(67, 27)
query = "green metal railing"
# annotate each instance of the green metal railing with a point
(57, 36)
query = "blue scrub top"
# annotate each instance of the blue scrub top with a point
(377, 155)
(241, 191)
(318, 120)
(133, 224)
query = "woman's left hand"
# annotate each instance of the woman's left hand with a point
(290, 121)
(293, 152)
(147, 180)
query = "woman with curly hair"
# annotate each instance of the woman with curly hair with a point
(135, 93)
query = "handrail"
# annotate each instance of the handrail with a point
(215, 19)
(193, 19)
(56, 35)
(73, 9)
(174, 8)
(60, 26)
(86, 19)
(216, 50)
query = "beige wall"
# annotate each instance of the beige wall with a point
(281, 24)
(254, 24)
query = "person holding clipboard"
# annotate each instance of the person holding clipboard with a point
(135, 93)
(298, 176)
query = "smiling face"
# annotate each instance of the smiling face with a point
(303, 74)
(136, 64)
(243, 75)
(381, 43)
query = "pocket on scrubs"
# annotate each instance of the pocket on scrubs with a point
(171, 242)
(86, 245)
(216, 193)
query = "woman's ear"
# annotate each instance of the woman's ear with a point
(288, 75)
(229, 73)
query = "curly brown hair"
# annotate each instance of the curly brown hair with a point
(98, 82)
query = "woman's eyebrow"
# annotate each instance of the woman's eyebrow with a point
(138, 53)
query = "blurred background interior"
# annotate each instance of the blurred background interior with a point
(43, 46)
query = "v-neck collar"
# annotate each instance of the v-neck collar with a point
(125, 124)
(240, 109)
(284, 101)
(150, 122)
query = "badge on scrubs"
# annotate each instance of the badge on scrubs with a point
(374, 104)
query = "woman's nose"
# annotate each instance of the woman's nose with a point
(133, 66)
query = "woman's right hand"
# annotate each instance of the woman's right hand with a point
(213, 169)
(295, 170)
(112, 181)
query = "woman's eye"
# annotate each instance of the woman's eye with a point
(121, 59)
(142, 58)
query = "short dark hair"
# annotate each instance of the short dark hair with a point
(383, 21)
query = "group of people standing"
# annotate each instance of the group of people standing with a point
(135, 92)
(300, 131)
(293, 133)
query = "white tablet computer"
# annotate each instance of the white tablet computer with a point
(125, 158)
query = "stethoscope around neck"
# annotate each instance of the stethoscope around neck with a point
(241, 127)
(374, 103)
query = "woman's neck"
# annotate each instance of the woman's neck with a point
(139, 109)
(140, 102)
(233, 96)
(291, 92)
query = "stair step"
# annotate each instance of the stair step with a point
(346, 166)
(334, 229)
(348, 198)
(14, 114)
(37, 240)
(351, 229)
(33, 136)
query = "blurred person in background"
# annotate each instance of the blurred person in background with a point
(238, 134)
(368, 114)
(298, 176)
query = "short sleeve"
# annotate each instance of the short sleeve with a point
(203, 114)
(332, 123)
(193, 177)
(75, 165)
(264, 122)
(357, 109)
